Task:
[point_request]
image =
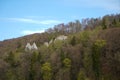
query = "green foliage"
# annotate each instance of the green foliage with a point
(67, 62)
(46, 71)
(58, 44)
(81, 75)
(100, 43)
(78, 26)
(73, 41)
(33, 60)
(10, 58)
(10, 75)
(62, 55)
(31, 73)
(84, 37)
(96, 57)
(116, 23)
(19, 45)
(87, 61)
(34, 57)
(89, 53)
(104, 26)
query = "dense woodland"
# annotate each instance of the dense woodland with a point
(91, 52)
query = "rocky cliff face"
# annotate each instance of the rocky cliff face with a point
(31, 47)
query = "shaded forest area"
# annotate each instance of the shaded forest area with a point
(91, 52)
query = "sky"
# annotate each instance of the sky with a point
(24, 17)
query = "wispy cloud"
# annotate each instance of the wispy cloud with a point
(26, 32)
(32, 21)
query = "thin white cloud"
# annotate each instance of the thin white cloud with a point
(40, 17)
(27, 32)
(43, 22)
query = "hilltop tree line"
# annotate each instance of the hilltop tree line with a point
(91, 52)
(108, 21)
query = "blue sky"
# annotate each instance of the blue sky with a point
(23, 17)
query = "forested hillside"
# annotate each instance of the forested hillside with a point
(90, 52)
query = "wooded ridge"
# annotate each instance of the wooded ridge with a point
(86, 50)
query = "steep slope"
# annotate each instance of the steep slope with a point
(88, 51)
(90, 54)
(13, 44)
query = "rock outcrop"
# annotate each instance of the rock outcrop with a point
(46, 44)
(61, 37)
(30, 47)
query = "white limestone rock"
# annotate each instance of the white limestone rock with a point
(34, 47)
(28, 47)
(61, 37)
(50, 41)
(46, 44)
